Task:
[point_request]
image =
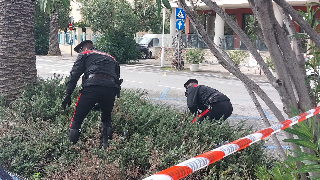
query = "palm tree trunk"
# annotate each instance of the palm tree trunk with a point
(54, 49)
(17, 54)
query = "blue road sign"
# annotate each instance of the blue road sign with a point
(180, 13)
(180, 24)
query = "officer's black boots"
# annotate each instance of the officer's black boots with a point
(106, 135)
(74, 135)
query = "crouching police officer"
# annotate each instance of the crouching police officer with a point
(100, 84)
(203, 97)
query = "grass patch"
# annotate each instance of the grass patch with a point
(167, 68)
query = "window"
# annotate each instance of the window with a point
(227, 29)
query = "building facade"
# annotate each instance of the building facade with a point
(219, 31)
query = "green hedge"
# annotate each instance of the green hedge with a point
(147, 138)
(121, 46)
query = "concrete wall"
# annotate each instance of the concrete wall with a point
(66, 50)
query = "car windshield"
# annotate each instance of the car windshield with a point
(145, 40)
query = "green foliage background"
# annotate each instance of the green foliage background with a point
(64, 11)
(147, 138)
(41, 31)
(149, 20)
(110, 15)
(42, 26)
(117, 22)
(119, 45)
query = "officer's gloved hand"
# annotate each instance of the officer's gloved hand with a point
(66, 101)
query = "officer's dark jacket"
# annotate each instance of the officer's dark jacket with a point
(200, 96)
(93, 62)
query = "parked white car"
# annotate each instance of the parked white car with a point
(310, 71)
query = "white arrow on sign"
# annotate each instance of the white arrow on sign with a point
(180, 24)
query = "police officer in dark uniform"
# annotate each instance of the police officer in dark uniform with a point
(100, 84)
(203, 97)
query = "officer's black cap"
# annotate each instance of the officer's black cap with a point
(79, 46)
(190, 81)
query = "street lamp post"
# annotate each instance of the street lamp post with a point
(162, 45)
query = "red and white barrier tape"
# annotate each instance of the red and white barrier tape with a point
(189, 166)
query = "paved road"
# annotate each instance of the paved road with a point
(166, 87)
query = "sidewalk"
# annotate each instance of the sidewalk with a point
(251, 72)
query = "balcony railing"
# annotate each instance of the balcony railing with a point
(228, 42)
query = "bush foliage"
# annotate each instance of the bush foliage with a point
(147, 138)
(195, 56)
(237, 56)
(122, 47)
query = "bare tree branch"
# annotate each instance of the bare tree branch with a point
(266, 122)
(297, 17)
(296, 42)
(244, 38)
(275, 53)
(290, 61)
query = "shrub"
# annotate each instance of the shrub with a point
(307, 153)
(120, 46)
(269, 62)
(237, 56)
(147, 138)
(278, 171)
(194, 56)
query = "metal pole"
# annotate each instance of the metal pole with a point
(162, 45)
(71, 41)
(71, 20)
(178, 49)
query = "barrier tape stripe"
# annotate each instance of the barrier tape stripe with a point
(189, 166)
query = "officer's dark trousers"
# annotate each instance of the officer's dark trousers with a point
(88, 97)
(219, 109)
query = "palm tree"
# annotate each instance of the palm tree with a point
(17, 54)
(52, 8)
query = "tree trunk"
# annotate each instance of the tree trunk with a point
(17, 53)
(296, 42)
(304, 102)
(54, 49)
(266, 123)
(177, 61)
(269, 32)
(297, 17)
(297, 47)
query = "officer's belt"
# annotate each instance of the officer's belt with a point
(100, 76)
